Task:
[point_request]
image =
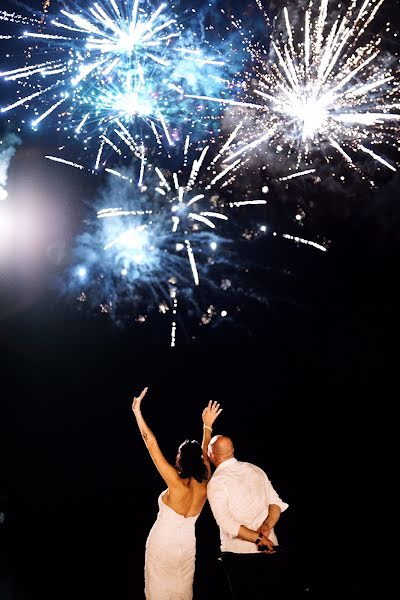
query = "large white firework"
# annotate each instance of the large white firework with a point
(325, 90)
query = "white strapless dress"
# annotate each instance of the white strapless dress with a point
(170, 555)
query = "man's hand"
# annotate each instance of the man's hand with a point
(265, 529)
(210, 413)
(138, 400)
(265, 545)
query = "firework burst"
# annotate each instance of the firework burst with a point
(325, 90)
(155, 243)
(96, 64)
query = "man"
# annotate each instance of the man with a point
(246, 507)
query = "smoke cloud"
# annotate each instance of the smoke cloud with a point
(8, 147)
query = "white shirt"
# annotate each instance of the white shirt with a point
(240, 493)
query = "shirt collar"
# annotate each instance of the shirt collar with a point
(226, 463)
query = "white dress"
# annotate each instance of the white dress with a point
(170, 555)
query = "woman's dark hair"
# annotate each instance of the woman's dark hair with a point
(190, 463)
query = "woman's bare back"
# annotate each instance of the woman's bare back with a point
(187, 497)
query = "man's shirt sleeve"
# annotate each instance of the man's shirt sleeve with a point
(273, 496)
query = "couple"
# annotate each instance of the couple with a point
(245, 506)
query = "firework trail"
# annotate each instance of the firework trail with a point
(299, 240)
(324, 91)
(99, 64)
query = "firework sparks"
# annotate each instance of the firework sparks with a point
(325, 92)
(189, 193)
(299, 174)
(299, 240)
(156, 242)
(131, 259)
(102, 64)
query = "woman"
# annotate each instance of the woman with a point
(171, 544)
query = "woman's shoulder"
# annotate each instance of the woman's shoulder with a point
(189, 486)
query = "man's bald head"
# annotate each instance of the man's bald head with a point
(220, 448)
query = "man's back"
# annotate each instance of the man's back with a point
(240, 493)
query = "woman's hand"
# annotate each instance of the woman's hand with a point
(137, 401)
(210, 413)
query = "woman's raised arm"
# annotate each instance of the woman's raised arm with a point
(209, 414)
(166, 470)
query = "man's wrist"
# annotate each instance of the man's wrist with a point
(207, 427)
(258, 540)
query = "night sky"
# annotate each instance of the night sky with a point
(307, 377)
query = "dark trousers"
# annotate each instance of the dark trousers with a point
(255, 575)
